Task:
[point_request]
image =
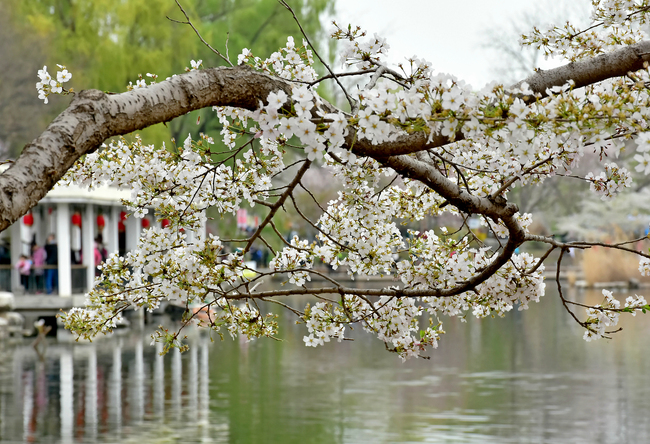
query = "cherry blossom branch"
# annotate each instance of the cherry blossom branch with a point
(585, 245)
(94, 116)
(599, 24)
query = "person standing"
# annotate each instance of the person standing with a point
(52, 260)
(38, 258)
(24, 267)
(99, 257)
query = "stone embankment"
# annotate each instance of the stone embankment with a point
(11, 323)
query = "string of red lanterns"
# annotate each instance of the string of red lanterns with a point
(28, 220)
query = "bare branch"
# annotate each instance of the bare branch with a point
(189, 22)
(351, 101)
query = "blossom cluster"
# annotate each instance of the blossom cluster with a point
(616, 23)
(601, 317)
(324, 321)
(47, 85)
(179, 263)
(609, 182)
(296, 260)
(605, 316)
(644, 266)
(393, 320)
(362, 53)
(291, 62)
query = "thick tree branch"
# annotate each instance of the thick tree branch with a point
(94, 116)
(497, 209)
(407, 166)
(586, 72)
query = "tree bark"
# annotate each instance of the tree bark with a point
(94, 116)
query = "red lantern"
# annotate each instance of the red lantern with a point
(28, 219)
(165, 223)
(101, 222)
(76, 219)
(123, 216)
(120, 227)
(145, 223)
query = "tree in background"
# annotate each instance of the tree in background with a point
(108, 43)
(22, 115)
(412, 144)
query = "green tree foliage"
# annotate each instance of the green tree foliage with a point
(107, 43)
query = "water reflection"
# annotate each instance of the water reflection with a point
(110, 390)
(66, 393)
(526, 378)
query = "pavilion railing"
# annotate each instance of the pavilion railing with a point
(37, 281)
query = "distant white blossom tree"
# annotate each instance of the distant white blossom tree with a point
(413, 144)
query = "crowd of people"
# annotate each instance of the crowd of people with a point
(39, 271)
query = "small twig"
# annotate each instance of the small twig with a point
(279, 234)
(189, 22)
(513, 179)
(314, 199)
(378, 193)
(295, 205)
(276, 206)
(267, 245)
(282, 304)
(559, 289)
(341, 74)
(227, 41)
(351, 101)
(285, 169)
(541, 260)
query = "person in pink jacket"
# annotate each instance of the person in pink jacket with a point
(38, 259)
(24, 266)
(99, 254)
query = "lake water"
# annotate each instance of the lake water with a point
(528, 378)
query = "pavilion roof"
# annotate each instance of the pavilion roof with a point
(103, 195)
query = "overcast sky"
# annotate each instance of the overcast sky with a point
(449, 34)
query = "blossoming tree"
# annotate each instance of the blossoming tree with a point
(412, 144)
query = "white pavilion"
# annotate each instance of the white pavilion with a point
(75, 216)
